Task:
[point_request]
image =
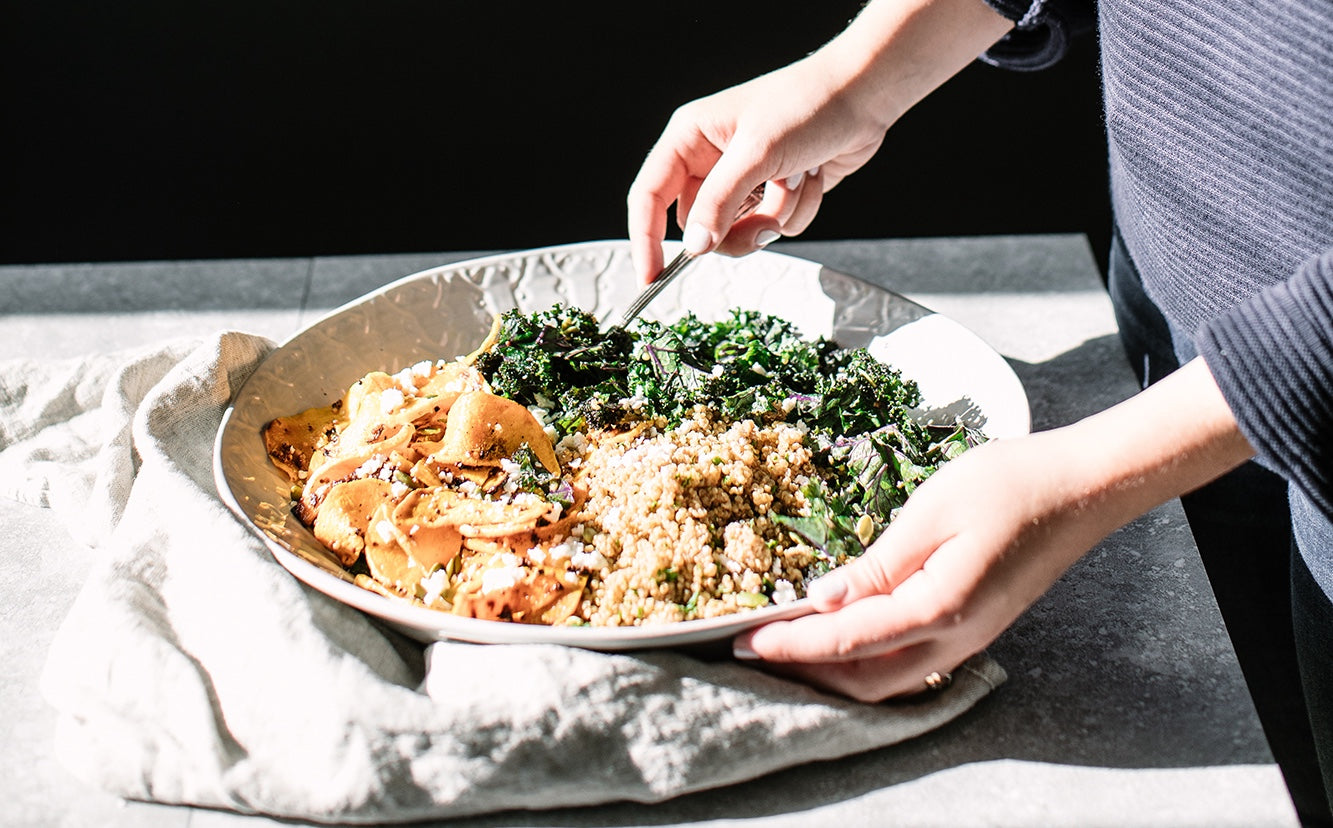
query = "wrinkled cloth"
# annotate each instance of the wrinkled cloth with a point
(192, 668)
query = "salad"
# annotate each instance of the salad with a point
(566, 474)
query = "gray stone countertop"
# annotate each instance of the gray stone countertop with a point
(1124, 705)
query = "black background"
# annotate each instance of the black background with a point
(168, 130)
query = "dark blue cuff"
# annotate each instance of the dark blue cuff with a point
(1043, 30)
(1272, 357)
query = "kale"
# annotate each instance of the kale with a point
(561, 361)
(748, 365)
(870, 476)
(830, 528)
(531, 476)
(858, 393)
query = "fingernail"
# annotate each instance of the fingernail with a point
(814, 171)
(742, 651)
(826, 590)
(697, 239)
(794, 181)
(766, 236)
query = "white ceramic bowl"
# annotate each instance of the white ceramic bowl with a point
(446, 311)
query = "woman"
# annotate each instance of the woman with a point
(1221, 160)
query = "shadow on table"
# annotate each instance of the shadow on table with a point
(1077, 383)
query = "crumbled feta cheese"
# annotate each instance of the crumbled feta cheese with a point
(575, 442)
(494, 580)
(370, 468)
(434, 585)
(567, 548)
(391, 399)
(385, 530)
(587, 559)
(784, 592)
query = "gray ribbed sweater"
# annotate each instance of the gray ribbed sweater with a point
(1219, 118)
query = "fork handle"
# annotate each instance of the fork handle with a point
(683, 258)
(670, 272)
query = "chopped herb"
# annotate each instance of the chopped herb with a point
(692, 604)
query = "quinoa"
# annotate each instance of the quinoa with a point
(682, 520)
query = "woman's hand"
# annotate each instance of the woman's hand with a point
(990, 532)
(791, 128)
(802, 128)
(975, 546)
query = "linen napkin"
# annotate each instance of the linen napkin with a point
(193, 669)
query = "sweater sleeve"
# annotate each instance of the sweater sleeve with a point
(1043, 30)
(1272, 357)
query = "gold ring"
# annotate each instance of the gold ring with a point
(938, 680)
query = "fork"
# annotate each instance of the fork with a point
(683, 260)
